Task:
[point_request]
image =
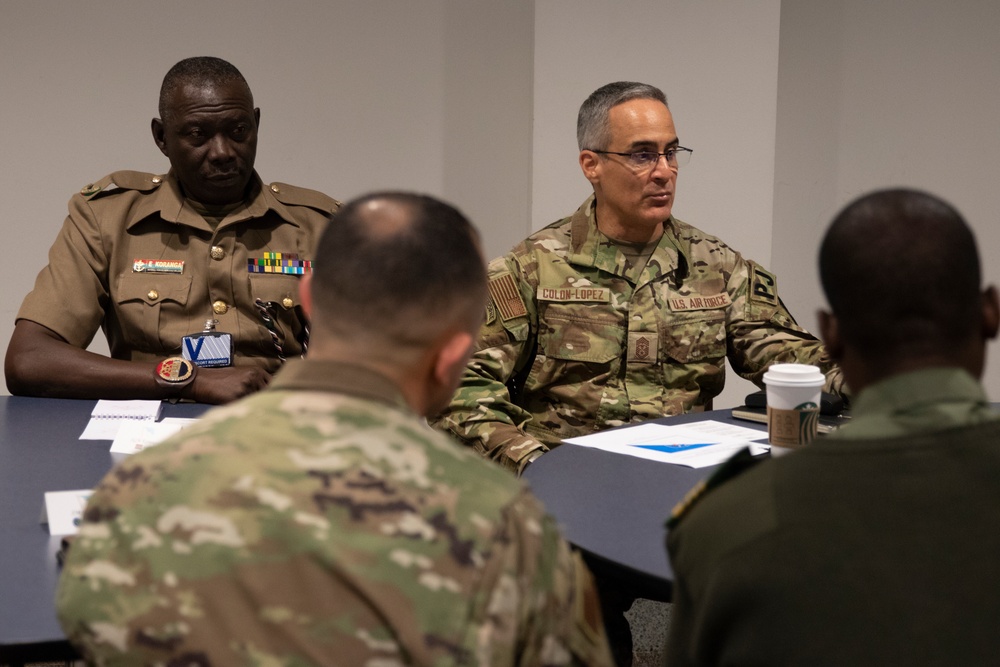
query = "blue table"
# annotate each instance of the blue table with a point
(40, 451)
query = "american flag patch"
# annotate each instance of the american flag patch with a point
(507, 298)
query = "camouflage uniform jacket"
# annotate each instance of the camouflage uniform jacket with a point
(592, 342)
(322, 522)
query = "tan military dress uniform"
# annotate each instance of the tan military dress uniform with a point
(135, 259)
(594, 342)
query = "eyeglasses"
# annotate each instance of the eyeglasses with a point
(677, 156)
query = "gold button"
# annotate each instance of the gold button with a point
(220, 307)
(217, 252)
(157, 180)
(287, 302)
(153, 295)
(275, 189)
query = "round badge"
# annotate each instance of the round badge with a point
(175, 369)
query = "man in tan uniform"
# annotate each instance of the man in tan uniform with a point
(150, 259)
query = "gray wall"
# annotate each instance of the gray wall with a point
(792, 108)
(881, 94)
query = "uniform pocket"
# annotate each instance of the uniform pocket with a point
(280, 295)
(577, 338)
(695, 339)
(151, 309)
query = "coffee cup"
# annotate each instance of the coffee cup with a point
(793, 396)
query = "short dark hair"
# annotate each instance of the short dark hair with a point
(199, 70)
(901, 272)
(592, 122)
(401, 274)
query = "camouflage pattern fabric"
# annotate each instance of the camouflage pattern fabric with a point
(304, 527)
(593, 342)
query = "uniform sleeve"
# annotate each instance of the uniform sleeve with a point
(539, 604)
(760, 331)
(483, 414)
(70, 295)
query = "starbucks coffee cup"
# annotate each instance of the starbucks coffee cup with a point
(793, 395)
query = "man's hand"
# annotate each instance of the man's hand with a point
(222, 385)
(41, 363)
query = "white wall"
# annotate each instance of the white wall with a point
(880, 94)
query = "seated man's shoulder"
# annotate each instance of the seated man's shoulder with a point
(732, 506)
(293, 195)
(694, 237)
(121, 182)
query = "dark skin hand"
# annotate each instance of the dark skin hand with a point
(36, 354)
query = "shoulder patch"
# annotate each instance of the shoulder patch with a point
(491, 312)
(296, 196)
(763, 285)
(738, 463)
(506, 297)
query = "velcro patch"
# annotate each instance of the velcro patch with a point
(491, 312)
(575, 294)
(642, 347)
(763, 286)
(682, 303)
(507, 298)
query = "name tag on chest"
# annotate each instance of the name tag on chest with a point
(683, 303)
(574, 294)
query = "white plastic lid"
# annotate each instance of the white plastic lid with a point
(794, 375)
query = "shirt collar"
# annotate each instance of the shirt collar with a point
(591, 247)
(932, 398)
(168, 203)
(339, 378)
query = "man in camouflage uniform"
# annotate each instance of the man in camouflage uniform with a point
(149, 258)
(322, 521)
(620, 312)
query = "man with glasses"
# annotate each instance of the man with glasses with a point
(619, 312)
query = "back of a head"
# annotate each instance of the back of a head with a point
(901, 273)
(592, 122)
(394, 270)
(199, 70)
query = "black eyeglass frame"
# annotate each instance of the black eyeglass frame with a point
(682, 156)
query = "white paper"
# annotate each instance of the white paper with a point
(64, 510)
(108, 416)
(134, 436)
(695, 445)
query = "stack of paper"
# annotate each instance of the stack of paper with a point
(696, 445)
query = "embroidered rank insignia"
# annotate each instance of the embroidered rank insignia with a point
(507, 298)
(642, 347)
(279, 262)
(158, 266)
(763, 286)
(682, 303)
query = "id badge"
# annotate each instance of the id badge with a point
(208, 348)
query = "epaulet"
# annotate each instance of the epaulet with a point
(296, 196)
(740, 462)
(122, 180)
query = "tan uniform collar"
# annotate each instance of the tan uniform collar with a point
(338, 378)
(169, 203)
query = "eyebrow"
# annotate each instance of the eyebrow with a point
(639, 146)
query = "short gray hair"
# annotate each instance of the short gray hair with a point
(592, 123)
